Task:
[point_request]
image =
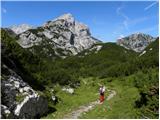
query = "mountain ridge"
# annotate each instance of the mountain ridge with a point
(66, 37)
(137, 41)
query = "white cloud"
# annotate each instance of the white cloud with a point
(4, 10)
(151, 5)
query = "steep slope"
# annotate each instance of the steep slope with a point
(137, 42)
(96, 63)
(62, 37)
(34, 69)
(20, 60)
(18, 85)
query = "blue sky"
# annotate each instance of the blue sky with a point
(107, 21)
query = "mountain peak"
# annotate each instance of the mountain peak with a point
(137, 41)
(68, 17)
(63, 32)
(139, 33)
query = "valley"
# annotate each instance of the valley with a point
(59, 67)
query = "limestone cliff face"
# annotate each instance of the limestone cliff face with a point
(63, 33)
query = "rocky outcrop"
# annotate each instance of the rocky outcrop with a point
(96, 48)
(29, 39)
(63, 33)
(19, 100)
(137, 42)
(20, 28)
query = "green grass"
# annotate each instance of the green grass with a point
(20, 98)
(85, 94)
(120, 106)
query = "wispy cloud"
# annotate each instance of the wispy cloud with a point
(122, 14)
(4, 10)
(151, 5)
(128, 23)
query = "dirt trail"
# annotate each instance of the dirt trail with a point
(77, 113)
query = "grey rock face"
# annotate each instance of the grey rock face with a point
(20, 28)
(19, 99)
(64, 32)
(137, 42)
(29, 39)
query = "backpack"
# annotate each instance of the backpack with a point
(101, 91)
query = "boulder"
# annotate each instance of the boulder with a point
(55, 99)
(19, 100)
(68, 90)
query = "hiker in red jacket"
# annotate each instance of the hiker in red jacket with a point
(101, 91)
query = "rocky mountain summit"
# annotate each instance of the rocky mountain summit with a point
(63, 36)
(137, 42)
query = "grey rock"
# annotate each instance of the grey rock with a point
(19, 98)
(32, 106)
(68, 90)
(137, 42)
(28, 39)
(63, 32)
(20, 28)
(142, 53)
